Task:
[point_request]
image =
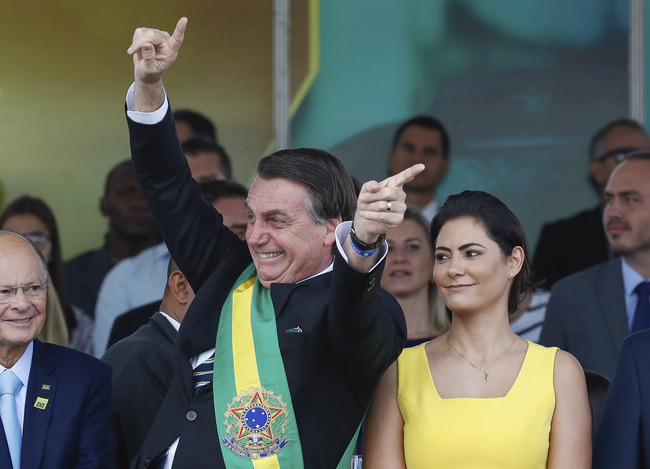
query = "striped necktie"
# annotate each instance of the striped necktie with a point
(202, 374)
(10, 384)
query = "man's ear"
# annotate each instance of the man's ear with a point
(330, 233)
(179, 286)
(103, 206)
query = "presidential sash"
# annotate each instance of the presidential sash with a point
(255, 419)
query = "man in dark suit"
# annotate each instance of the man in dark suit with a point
(591, 312)
(421, 139)
(228, 198)
(294, 317)
(623, 435)
(58, 397)
(143, 367)
(576, 243)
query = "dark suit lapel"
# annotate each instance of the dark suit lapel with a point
(280, 292)
(5, 457)
(611, 298)
(41, 391)
(164, 327)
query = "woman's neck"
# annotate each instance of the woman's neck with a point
(419, 315)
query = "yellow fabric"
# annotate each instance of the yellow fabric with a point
(500, 433)
(243, 352)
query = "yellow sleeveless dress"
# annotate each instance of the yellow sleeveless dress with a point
(500, 433)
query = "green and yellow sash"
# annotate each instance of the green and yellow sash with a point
(250, 384)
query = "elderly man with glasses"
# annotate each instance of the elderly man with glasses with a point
(54, 401)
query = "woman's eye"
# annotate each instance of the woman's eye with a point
(472, 253)
(413, 247)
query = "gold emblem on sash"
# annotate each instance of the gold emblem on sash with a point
(255, 422)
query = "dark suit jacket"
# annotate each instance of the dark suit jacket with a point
(83, 276)
(74, 429)
(129, 322)
(351, 330)
(586, 317)
(623, 435)
(570, 245)
(143, 368)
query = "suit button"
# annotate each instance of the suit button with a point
(146, 463)
(191, 416)
(371, 284)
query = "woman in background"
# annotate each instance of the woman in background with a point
(33, 219)
(408, 276)
(479, 395)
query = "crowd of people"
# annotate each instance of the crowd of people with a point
(233, 326)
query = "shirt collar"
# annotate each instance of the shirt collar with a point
(172, 321)
(23, 365)
(631, 278)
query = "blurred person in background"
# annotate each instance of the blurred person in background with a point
(64, 325)
(408, 276)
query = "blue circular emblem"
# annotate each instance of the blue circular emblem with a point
(256, 418)
(255, 424)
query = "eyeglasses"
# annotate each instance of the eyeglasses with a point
(33, 291)
(38, 239)
(618, 153)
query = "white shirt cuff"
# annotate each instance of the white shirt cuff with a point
(342, 232)
(148, 118)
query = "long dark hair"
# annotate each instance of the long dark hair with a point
(27, 205)
(501, 225)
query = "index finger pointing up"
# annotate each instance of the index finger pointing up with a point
(405, 176)
(179, 33)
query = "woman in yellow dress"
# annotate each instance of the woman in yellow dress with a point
(479, 396)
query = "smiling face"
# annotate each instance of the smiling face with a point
(409, 262)
(627, 209)
(21, 319)
(286, 245)
(470, 270)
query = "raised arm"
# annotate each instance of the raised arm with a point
(570, 441)
(380, 208)
(153, 52)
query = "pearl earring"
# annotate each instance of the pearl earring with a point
(511, 275)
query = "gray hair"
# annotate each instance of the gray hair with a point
(330, 187)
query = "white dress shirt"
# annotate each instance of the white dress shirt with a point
(21, 369)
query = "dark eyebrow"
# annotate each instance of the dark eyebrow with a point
(270, 213)
(461, 248)
(621, 193)
(469, 245)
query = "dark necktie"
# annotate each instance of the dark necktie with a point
(202, 374)
(642, 312)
